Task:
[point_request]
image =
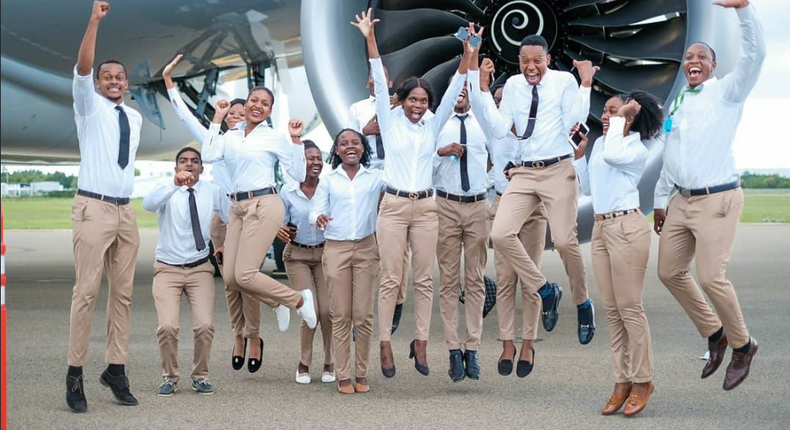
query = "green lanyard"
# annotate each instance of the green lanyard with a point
(680, 97)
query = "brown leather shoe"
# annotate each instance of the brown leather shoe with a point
(739, 366)
(636, 403)
(361, 388)
(716, 351)
(621, 392)
(345, 389)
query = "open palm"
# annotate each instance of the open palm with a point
(365, 23)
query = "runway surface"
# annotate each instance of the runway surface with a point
(567, 389)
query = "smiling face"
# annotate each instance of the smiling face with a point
(416, 104)
(258, 106)
(235, 115)
(350, 148)
(610, 109)
(698, 64)
(112, 82)
(314, 162)
(189, 161)
(533, 61)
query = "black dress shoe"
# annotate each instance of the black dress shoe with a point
(505, 367)
(586, 317)
(388, 372)
(716, 356)
(524, 367)
(119, 385)
(422, 368)
(254, 364)
(456, 371)
(551, 303)
(75, 394)
(238, 360)
(396, 317)
(473, 365)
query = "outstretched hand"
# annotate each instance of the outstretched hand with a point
(736, 4)
(365, 24)
(295, 128)
(168, 71)
(479, 33)
(586, 71)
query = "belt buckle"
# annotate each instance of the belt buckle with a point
(413, 195)
(538, 164)
(685, 192)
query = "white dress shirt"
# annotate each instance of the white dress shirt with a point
(616, 165)
(359, 114)
(99, 135)
(561, 104)
(698, 149)
(410, 147)
(171, 204)
(447, 176)
(297, 212)
(251, 159)
(352, 204)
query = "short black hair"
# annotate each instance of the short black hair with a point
(535, 40)
(260, 88)
(98, 68)
(189, 149)
(648, 122)
(335, 160)
(408, 85)
(242, 102)
(309, 144)
(712, 52)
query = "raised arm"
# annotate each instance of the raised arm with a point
(739, 83)
(447, 104)
(291, 154)
(380, 88)
(85, 97)
(214, 144)
(196, 129)
(576, 101)
(480, 100)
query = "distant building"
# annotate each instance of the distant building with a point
(15, 190)
(45, 187)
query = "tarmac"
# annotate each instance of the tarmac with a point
(567, 389)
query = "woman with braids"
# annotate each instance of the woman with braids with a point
(408, 215)
(345, 206)
(621, 238)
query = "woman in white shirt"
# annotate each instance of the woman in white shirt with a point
(346, 205)
(621, 239)
(244, 310)
(408, 215)
(302, 256)
(251, 152)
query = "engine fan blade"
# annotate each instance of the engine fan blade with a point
(663, 41)
(399, 29)
(460, 5)
(420, 57)
(582, 3)
(634, 11)
(439, 75)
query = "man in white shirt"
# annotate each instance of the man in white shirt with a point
(461, 184)
(184, 210)
(104, 225)
(702, 217)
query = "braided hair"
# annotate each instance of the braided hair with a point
(334, 159)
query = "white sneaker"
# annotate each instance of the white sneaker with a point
(302, 378)
(328, 377)
(307, 311)
(283, 317)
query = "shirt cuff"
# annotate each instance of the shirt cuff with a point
(585, 89)
(214, 128)
(660, 202)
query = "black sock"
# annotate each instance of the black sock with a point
(716, 336)
(744, 349)
(75, 371)
(116, 370)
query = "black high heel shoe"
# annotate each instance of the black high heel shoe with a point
(238, 360)
(254, 364)
(524, 367)
(422, 368)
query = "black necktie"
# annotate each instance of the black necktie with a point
(533, 112)
(379, 147)
(200, 244)
(464, 171)
(123, 147)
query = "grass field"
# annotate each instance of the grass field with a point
(45, 213)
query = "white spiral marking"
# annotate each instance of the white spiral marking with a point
(518, 27)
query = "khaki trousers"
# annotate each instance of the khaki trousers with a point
(403, 223)
(533, 238)
(556, 187)
(351, 268)
(244, 310)
(462, 227)
(404, 283)
(254, 223)
(703, 227)
(305, 271)
(197, 284)
(105, 237)
(620, 250)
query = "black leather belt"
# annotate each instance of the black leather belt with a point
(615, 214)
(114, 200)
(245, 195)
(186, 265)
(462, 199)
(414, 195)
(686, 192)
(299, 245)
(541, 164)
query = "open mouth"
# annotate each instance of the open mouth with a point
(694, 72)
(256, 113)
(533, 77)
(315, 169)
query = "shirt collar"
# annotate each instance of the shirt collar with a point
(710, 81)
(339, 171)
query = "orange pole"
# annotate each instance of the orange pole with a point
(4, 335)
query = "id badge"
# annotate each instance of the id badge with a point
(667, 124)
